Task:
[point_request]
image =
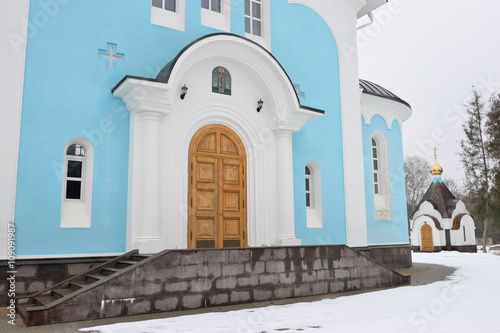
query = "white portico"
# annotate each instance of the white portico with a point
(163, 125)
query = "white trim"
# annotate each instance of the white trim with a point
(220, 21)
(389, 110)
(314, 213)
(12, 66)
(255, 74)
(166, 18)
(77, 213)
(82, 255)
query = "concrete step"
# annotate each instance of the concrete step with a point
(125, 263)
(95, 277)
(110, 270)
(63, 291)
(76, 285)
(44, 300)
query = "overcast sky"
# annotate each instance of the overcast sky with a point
(430, 53)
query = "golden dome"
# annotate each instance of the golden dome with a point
(436, 169)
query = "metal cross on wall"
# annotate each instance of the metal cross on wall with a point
(108, 53)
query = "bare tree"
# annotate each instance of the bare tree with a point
(476, 161)
(418, 179)
(454, 187)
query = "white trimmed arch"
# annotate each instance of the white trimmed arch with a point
(255, 74)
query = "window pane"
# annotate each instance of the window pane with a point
(73, 189)
(374, 152)
(307, 184)
(216, 6)
(75, 150)
(247, 25)
(170, 5)
(376, 188)
(375, 165)
(308, 200)
(156, 3)
(374, 143)
(256, 28)
(256, 10)
(375, 177)
(308, 171)
(204, 4)
(247, 7)
(75, 169)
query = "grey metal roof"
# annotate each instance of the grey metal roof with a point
(371, 88)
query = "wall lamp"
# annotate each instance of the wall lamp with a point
(260, 103)
(184, 90)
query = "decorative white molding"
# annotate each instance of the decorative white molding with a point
(14, 20)
(389, 110)
(266, 136)
(174, 20)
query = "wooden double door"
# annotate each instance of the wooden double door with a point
(217, 189)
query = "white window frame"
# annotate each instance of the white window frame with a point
(166, 18)
(216, 20)
(76, 213)
(265, 38)
(383, 197)
(314, 211)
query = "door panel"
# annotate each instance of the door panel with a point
(426, 234)
(217, 193)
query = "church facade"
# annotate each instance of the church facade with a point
(163, 124)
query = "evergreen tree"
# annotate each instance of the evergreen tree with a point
(476, 162)
(493, 148)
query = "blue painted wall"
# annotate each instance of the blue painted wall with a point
(67, 93)
(311, 60)
(395, 230)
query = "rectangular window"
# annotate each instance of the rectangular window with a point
(213, 5)
(253, 17)
(165, 4)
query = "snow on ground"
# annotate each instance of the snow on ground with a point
(466, 302)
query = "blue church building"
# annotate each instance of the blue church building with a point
(173, 124)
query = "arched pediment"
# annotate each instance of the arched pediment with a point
(162, 93)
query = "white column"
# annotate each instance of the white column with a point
(285, 220)
(149, 233)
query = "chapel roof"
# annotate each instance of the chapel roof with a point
(371, 88)
(441, 198)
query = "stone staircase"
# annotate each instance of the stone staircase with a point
(173, 280)
(35, 309)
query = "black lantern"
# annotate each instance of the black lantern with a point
(184, 90)
(260, 103)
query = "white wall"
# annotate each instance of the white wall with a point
(13, 20)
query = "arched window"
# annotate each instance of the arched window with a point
(380, 170)
(308, 187)
(314, 207)
(77, 184)
(75, 162)
(375, 162)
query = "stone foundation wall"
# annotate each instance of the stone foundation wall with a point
(34, 275)
(459, 248)
(190, 279)
(393, 256)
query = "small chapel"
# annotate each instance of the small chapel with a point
(206, 130)
(441, 222)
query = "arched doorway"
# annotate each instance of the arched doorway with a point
(426, 234)
(217, 189)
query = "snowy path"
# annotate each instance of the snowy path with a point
(467, 302)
